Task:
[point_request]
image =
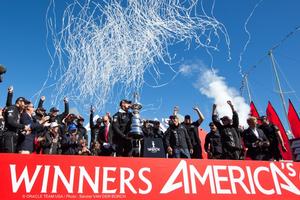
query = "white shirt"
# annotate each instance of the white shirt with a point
(255, 132)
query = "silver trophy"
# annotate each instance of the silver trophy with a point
(136, 123)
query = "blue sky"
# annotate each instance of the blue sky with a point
(23, 51)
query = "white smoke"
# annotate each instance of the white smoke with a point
(213, 86)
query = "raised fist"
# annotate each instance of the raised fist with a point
(10, 89)
(43, 98)
(66, 100)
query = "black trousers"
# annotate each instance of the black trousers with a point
(197, 154)
(9, 141)
(124, 148)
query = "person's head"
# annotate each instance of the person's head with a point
(175, 120)
(252, 122)
(54, 128)
(54, 111)
(96, 145)
(226, 120)
(29, 108)
(40, 112)
(83, 142)
(156, 124)
(125, 104)
(80, 120)
(21, 102)
(187, 119)
(105, 120)
(264, 120)
(99, 121)
(213, 127)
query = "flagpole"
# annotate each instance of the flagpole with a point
(247, 86)
(279, 87)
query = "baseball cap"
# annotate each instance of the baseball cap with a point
(187, 117)
(54, 124)
(72, 127)
(263, 117)
(225, 118)
(23, 99)
(54, 109)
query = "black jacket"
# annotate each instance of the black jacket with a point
(12, 119)
(48, 146)
(213, 144)
(95, 129)
(255, 151)
(69, 146)
(61, 116)
(270, 132)
(121, 125)
(230, 137)
(26, 142)
(177, 137)
(102, 135)
(192, 130)
(82, 132)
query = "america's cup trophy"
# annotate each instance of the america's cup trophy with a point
(136, 123)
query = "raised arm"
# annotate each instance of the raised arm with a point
(215, 117)
(10, 93)
(41, 101)
(235, 117)
(200, 115)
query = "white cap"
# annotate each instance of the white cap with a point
(54, 124)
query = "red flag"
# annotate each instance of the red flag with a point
(202, 135)
(294, 120)
(274, 119)
(253, 112)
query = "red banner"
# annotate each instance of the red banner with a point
(274, 119)
(87, 177)
(294, 120)
(254, 112)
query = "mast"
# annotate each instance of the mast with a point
(279, 87)
(248, 89)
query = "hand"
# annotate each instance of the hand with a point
(10, 89)
(195, 108)
(214, 106)
(43, 98)
(191, 151)
(92, 110)
(265, 144)
(176, 110)
(209, 154)
(66, 100)
(27, 128)
(170, 150)
(45, 119)
(229, 103)
(46, 124)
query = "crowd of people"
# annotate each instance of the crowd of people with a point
(26, 130)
